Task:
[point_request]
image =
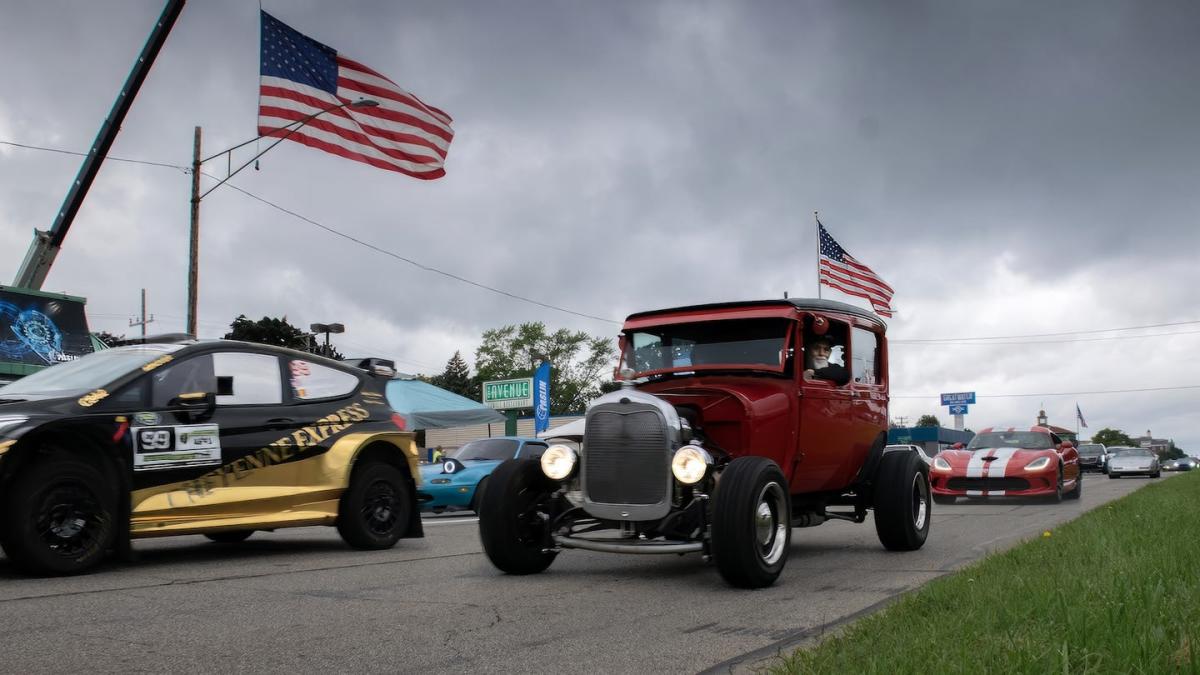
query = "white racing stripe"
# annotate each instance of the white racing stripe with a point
(976, 463)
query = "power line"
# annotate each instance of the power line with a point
(962, 341)
(1070, 332)
(416, 264)
(1062, 393)
(84, 154)
(927, 343)
(331, 230)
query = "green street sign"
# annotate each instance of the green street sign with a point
(508, 394)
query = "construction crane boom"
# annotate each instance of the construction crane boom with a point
(46, 243)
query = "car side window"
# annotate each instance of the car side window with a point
(194, 375)
(864, 362)
(255, 377)
(312, 380)
(533, 450)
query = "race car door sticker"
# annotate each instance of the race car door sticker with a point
(176, 446)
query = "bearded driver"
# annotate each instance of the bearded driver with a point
(818, 351)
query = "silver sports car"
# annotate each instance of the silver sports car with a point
(1133, 461)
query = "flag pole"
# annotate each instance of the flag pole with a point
(817, 218)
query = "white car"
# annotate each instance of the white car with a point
(1134, 461)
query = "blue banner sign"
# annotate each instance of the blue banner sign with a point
(958, 409)
(541, 398)
(958, 397)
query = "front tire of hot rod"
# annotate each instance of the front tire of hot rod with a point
(510, 524)
(902, 496)
(751, 523)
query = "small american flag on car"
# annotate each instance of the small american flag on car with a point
(839, 270)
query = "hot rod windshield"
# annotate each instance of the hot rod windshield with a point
(740, 344)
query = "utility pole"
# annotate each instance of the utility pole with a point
(144, 320)
(194, 239)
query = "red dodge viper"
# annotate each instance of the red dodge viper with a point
(1008, 462)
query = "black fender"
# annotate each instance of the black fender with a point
(865, 485)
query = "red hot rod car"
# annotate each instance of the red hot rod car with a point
(736, 422)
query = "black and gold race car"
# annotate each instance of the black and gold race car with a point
(219, 438)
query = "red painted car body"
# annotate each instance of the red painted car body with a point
(821, 433)
(1008, 462)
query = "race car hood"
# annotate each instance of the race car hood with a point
(998, 461)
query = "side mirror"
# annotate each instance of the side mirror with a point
(194, 406)
(957, 446)
(1067, 444)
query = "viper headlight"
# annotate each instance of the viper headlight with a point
(1038, 464)
(690, 464)
(558, 461)
(941, 464)
(11, 421)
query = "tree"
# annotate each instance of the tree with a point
(269, 331)
(1174, 451)
(457, 378)
(577, 361)
(1110, 437)
(928, 421)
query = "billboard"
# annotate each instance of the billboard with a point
(40, 329)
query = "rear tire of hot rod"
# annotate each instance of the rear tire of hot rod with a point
(510, 527)
(902, 496)
(60, 517)
(751, 523)
(375, 509)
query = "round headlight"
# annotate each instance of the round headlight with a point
(558, 461)
(941, 464)
(690, 464)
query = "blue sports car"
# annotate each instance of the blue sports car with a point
(457, 481)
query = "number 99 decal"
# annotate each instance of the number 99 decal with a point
(155, 439)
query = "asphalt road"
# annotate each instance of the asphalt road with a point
(299, 601)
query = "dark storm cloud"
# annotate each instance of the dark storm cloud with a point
(1009, 168)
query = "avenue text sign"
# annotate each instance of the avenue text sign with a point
(508, 394)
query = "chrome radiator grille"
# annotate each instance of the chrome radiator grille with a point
(626, 455)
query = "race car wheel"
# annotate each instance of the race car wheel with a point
(944, 500)
(1113, 475)
(1156, 474)
(1077, 491)
(59, 517)
(374, 511)
(751, 523)
(902, 508)
(512, 525)
(478, 493)
(229, 536)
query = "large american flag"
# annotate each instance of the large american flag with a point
(841, 271)
(301, 76)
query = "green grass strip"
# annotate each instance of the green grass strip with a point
(1114, 591)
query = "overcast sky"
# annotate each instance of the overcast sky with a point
(1009, 168)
